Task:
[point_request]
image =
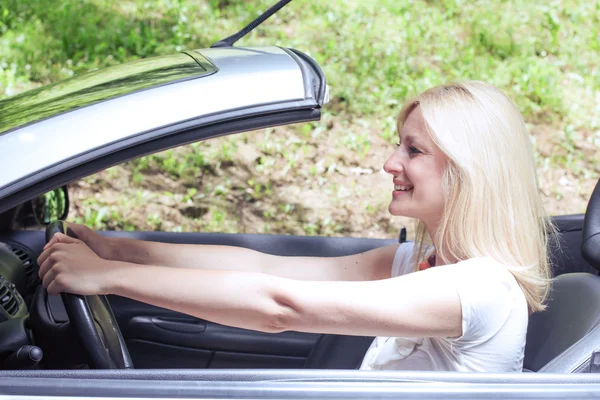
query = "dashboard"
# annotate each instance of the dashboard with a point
(18, 280)
(18, 284)
(35, 328)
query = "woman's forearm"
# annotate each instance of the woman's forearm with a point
(237, 299)
(187, 255)
(371, 265)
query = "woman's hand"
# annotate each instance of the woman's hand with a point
(69, 265)
(102, 246)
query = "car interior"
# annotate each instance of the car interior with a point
(66, 332)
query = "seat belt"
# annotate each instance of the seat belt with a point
(402, 237)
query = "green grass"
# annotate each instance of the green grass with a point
(375, 54)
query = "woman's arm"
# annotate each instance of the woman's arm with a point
(406, 306)
(420, 304)
(369, 265)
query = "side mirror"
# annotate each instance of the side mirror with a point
(51, 206)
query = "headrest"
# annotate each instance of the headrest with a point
(590, 246)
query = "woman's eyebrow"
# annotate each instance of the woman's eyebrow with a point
(408, 137)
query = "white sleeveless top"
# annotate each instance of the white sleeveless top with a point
(494, 323)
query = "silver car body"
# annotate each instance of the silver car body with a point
(235, 84)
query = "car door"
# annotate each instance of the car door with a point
(294, 384)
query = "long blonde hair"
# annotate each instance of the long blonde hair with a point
(492, 206)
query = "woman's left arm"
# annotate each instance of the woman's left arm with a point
(419, 304)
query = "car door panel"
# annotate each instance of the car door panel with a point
(207, 335)
(150, 355)
(149, 327)
(224, 359)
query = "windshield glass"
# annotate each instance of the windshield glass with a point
(96, 86)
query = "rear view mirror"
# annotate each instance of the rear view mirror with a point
(51, 206)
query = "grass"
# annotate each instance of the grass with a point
(375, 54)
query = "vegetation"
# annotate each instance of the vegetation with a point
(320, 178)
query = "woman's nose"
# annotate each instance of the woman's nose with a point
(393, 165)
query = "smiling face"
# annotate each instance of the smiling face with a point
(417, 167)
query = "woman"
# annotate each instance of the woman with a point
(463, 168)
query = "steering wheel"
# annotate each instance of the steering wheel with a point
(94, 321)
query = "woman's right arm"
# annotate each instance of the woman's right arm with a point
(370, 265)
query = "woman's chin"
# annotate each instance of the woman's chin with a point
(397, 211)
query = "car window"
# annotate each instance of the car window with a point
(300, 180)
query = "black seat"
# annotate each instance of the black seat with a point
(573, 312)
(338, 352)
(559, 340)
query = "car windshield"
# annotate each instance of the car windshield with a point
(96, 86)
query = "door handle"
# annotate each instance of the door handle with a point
(179, 325)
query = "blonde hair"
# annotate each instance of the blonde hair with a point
(492, 207)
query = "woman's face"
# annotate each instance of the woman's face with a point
(417, 167)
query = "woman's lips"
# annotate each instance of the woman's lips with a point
(399, 193)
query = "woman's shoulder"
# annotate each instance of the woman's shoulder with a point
(478, 271)
(484, 273)
(489, 296)
(484, 269)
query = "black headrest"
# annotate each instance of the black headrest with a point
(590, 246)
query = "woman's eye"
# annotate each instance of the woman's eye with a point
(413, 150)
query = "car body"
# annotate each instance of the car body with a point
(56, 134)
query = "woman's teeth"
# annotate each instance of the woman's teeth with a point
(402, 188)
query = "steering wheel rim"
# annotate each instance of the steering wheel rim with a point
(94, 321)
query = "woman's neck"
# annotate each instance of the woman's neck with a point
(432, 230)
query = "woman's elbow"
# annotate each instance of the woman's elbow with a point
(281, 316)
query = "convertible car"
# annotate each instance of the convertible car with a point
(109, 347)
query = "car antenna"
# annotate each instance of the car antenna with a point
(229, 41)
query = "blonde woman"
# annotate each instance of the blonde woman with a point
(463, 168)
